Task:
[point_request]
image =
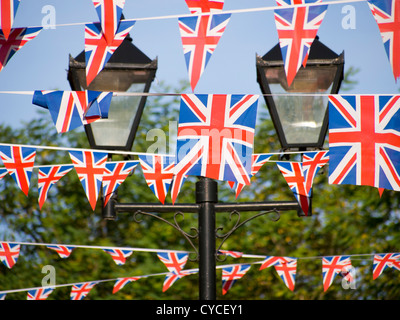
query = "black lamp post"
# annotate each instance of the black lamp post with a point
(299, 112)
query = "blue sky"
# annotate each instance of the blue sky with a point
(42, 63)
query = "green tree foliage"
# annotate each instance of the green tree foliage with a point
(345, 220)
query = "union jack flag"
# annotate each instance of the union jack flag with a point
(294, 176)
(80, 290)
(272, 261)
(121, 282)
(364, 140)
(90, 167)
(72, 109)
(311, 164)
(39, 294)
(257, 161)
(3, 173)
(333, 265)
(178, 182)
(297, 28)
(8, 10)
(383, 261)
(287, 272)
(231, 274)
(114, 175)
(203, 6)
(19, 163)
(174, 261)
(200, 36)
(9, 253)
(233, 254)
(63, 251)
(109, 12)
(119, 255)
(99, 49)
(216, 136)
(172, 277)
(387, 16)
(158, 171)
(47, 177)
(17, 38)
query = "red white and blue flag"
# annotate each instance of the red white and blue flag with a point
(332, 266)
(297, 28)
(90, 167)
(383, 261)
(73, 109)
(119, 255)
(121, 282)
(200, 36)
(233, 254)
(19, 162)
(284, 266)
(99, 49)
(109, 12)
(231, 274)
(216, 136)
(178, 181)
(39, 294)
(114, 175)
(47, 177)
(204, 6)
(81, 290)
(174, 261)
(9, 253)
(8, 10)
(158, 171)
(312, 162)
(387, 16)
(17, 38)
(63, 251)
(364, 140)
(273, 260)
(172, 277)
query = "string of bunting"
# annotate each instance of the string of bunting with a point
(175, 261)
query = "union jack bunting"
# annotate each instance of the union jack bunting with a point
(121, 282)
(231, 274)
(387, 16)
(216, 136)
(312, 162)
(99, 49)
(200, 36)
(272, 261)
(109, 12)
(178, 181)
(114, 175)
(19, 162)
(39, 294)
(3, 173)
(172, 277)
(294, 176)
(17, 38)
(174, 261)
(287, 272)
(9, 253)
(333, 265)
(47, 177)
(63, 251)
(297, 28)
(158, 171)
(81, 290)
(118, 255)
(364, 140)
(8, 10)
(73, 109)
(90, 167)
(233, 254)
(203, 6)
(383, 261)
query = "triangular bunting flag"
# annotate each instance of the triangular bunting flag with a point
(158, 172)
(63, 251)
(231, 274)
(16, 40)
(383, 261)
(109, 12)
(39, 294)
(204, 6)
(312, 162)
(114, 175)
(174, 261)
(297, 28)
(172, 277)
(387, 16)
(19, 162)
(287, 272)
(200, 36)
(121, 282)
(8, 10)
(333, 265)
(118, 255)
(81, 290)
(47, 177)
(90, 167)
(9, 253)
(176, 185)
(233, 254)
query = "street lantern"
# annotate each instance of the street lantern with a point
(299, 112)
(128, 70)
